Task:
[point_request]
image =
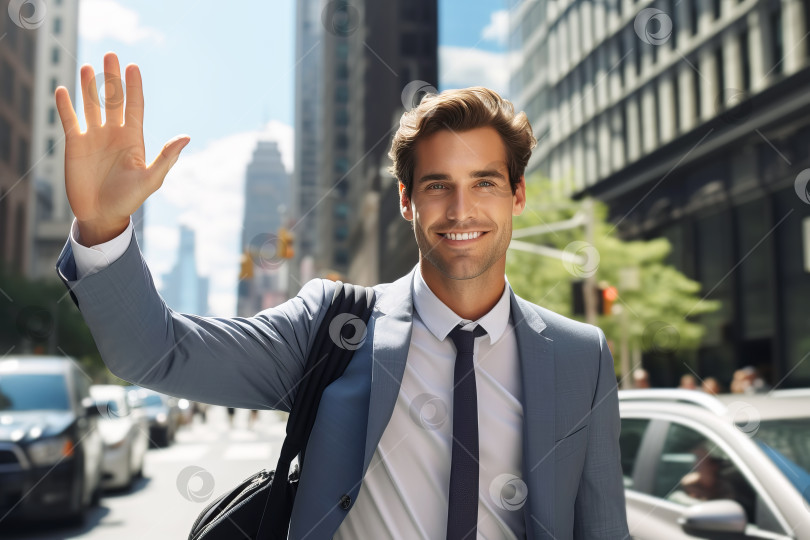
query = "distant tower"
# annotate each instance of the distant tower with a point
(267, 187)
(183, 288)
(56, 53)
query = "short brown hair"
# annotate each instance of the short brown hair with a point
(462, 110)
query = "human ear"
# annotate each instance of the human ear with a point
(519, 198)
(404, 203)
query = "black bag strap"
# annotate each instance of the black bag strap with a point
(341, 332)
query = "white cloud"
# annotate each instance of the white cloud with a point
(205, 190)
(498, 28)
(460, 67)
(107, 19)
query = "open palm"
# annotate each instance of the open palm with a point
(106, 174)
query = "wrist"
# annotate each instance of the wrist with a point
(94, 232)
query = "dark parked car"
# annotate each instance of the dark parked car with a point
(161, 411)
(50, 446)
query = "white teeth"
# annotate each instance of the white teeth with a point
(464, 236)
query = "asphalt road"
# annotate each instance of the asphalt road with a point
(179, 481)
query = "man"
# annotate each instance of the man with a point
(402, 436)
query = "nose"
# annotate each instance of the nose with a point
(461, 206)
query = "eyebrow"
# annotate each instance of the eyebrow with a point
(484, 173)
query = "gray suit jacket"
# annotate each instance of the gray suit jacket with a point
(571, 417)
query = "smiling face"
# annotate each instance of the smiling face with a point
(461, 187)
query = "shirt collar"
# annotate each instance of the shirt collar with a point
(440, 319)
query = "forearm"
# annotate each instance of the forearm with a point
(251, 362)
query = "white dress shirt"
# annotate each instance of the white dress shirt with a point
(404, 493)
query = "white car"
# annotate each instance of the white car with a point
(125, 433)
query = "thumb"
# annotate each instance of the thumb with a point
(167, 158)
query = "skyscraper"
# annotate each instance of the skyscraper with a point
(690, 118)
(267, 204)
(183, 288)
(55, 66)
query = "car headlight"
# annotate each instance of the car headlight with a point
(161, 418)
(49, 451)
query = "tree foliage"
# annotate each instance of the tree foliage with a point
(660, 314)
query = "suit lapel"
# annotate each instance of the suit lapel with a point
(393, 322)
(536, 353)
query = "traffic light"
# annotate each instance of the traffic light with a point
(608, 295)
(246, 266)
(284, 249)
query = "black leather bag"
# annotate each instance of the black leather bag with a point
(259, 507)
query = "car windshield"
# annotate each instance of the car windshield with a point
(31, 392)
(787, 444)
(152, 400)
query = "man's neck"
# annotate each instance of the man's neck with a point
(468, 298)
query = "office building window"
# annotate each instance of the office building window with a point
(7, 81)
(721, 78)
(25, 103)
(777, 41)
(51, 146)
(621, 60)
(694, 7)
(676, 104)
(676, 24)
(637, 52)
(55, 55)
(51, 115)
(696, 90)
(19, 227)
(54, 84)
(716, 9)
(22, 156)
(5, 140)
(744, 58)
(57, 25)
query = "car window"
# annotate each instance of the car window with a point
(629, 443)
(29, 392)
(693, 469)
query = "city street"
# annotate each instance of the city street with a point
(157, 506)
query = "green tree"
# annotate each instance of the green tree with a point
(659, 316)
(39, 317)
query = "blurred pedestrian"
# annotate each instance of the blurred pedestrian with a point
(747, 380)
(254, 415)
(688, 382)
(711, 386)
(641, 379)
(231, 412)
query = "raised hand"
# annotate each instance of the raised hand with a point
(106, 175)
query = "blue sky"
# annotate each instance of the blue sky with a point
(225, 76)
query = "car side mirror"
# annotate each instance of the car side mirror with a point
(713, 517)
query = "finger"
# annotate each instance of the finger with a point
(113, 91)
(134, 106)
(70, 124)
(166, 159)
(92, 113)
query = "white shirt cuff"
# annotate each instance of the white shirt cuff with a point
(90, 260)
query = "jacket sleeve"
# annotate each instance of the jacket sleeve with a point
(600, 507)
(246, 362)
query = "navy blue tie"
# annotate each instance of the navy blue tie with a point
(462, 512)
